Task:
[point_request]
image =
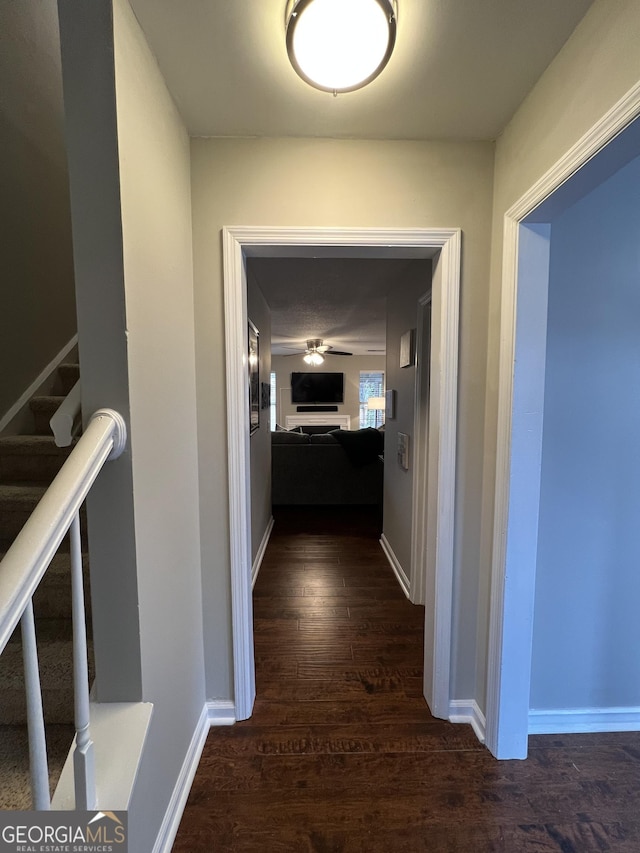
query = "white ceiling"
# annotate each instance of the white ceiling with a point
(340, 300)
(459, 70)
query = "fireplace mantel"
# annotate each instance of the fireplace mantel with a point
(319, 419)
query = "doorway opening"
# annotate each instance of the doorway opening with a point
(444, 246)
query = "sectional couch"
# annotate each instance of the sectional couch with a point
(324, 470)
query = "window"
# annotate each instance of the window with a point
(272, 403)
(371, 385)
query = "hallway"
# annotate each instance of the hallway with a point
(342, 754)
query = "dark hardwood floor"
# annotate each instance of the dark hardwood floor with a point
(342, 754)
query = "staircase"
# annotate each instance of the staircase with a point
(28, 464)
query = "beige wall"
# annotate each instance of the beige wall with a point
(596, 67)
(154, 160)
(260, 441)
(307, 182)
(38, 308)
(402, 315)
(129, 157)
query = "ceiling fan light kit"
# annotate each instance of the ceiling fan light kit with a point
(316, 351)
(340, 45)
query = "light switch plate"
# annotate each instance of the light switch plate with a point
(403, 450)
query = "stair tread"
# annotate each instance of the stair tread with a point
(68, 375)
(55, 658)
(32, 445)
(15, 787)
(52, 598)
(21, 493)
(60, 566)
(43, 408)
(28, 464)
(48, 630)
(55, 662)
(46, 400)
(35, 458)
(18, 500)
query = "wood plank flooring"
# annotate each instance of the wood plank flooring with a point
(342, 755)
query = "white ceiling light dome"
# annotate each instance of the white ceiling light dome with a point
(340, 45)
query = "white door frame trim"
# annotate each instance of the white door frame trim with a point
(420, 466)
(507, 692)
(239, 242)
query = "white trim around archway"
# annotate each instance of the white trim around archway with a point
(518, 434)
(419, 506)
(242, 242)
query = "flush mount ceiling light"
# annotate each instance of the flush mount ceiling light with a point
(340, 45)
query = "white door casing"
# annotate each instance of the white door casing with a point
(421, 451)
(242, 242)
(516, 496)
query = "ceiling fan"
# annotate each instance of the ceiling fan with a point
(316, 351)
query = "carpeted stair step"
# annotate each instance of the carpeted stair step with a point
(30, 458)
(15, 786)
(17, 503)
(48, 631)
(28, 464)
(52, 599)
(43, 409)
(66, 377)
(53, 596)
(55, 656)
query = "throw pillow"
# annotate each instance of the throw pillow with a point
(361, 446)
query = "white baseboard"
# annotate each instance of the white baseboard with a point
(468, 711)
(216, 712)
(576, 720)
(35, 388)
(221, 712)
(263, 547)
(173, 815)
(399, 572)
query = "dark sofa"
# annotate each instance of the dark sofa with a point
(322, 469)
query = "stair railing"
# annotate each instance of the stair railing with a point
(22, 569)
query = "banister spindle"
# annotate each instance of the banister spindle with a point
(38, 764)
(83, 757)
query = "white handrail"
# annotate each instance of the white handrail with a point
(65, 416)
(27, 559)
(21, 570)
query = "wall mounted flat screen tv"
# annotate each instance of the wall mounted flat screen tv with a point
(317, 387)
